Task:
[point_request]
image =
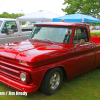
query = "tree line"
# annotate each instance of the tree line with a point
(13, 15)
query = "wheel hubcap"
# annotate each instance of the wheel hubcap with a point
(55, 81)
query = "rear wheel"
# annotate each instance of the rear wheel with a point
(52, 81)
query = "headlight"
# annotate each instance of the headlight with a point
(23, 77)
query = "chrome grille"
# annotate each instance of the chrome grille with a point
(9, 68)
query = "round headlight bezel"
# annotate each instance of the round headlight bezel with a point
(23, 77)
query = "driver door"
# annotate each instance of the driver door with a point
(83, 52)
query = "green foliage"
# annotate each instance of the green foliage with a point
(22, 22)
(87, 7)
(13, 15)
(92, 33)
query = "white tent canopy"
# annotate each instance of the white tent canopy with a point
(40, 16)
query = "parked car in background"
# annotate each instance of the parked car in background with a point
(28, 25)
(96, 27)
(10, 31)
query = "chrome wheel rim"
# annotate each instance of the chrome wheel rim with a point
(55, 81)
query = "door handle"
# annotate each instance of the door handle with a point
(18, 35)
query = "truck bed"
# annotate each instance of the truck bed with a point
(95, 39)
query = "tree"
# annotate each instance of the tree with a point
(87, 7)
(13, 15)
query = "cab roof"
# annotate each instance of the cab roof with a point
(62, 24)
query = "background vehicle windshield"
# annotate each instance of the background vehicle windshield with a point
(0, 23)
(53, 33)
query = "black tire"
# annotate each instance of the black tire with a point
(52, 81)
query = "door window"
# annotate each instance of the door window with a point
(80, 34)
(10, 27)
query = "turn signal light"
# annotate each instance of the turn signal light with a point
(23, 62)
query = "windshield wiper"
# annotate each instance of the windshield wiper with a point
(50, 41)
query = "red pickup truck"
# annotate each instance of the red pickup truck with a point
(53, 50)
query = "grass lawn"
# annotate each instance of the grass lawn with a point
(83, 87)
(92, 33)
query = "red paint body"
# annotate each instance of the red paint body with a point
(42, 56)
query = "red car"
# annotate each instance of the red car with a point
(53, 49)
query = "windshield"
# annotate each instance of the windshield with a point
(0, 23)
(52, 33)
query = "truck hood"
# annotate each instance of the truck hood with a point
(31, 50)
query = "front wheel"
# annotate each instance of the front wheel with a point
(52, 81)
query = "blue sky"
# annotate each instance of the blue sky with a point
(29, 6)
